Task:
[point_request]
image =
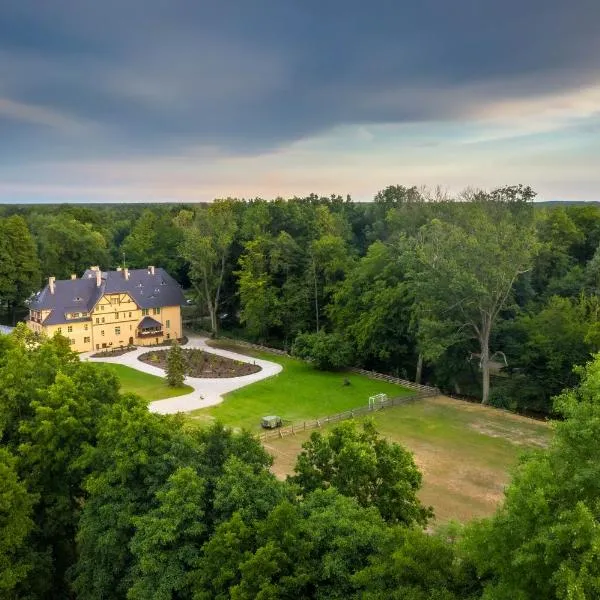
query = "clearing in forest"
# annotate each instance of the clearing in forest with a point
(465, 451)
(298, 393)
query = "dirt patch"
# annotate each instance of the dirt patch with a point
(514, 435)
(113, 353)
(203, 364)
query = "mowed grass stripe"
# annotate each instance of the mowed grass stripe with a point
(298, 393)
(149, 387)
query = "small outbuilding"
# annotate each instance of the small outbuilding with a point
(271, 422)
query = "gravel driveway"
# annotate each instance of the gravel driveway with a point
(207, 392)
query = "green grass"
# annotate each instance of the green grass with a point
(149, 387)
(465, 451)
(298, 393)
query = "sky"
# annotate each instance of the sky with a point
(177, 100)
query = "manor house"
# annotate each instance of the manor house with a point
(110, 309)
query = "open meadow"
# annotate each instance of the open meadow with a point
(298, 393)
(465, 451)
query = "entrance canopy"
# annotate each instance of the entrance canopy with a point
(149, 323)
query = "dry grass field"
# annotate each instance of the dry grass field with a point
(465, 451)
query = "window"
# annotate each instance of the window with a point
(70, 329)
(130, 327)
(85, 327)
(72, 341)
(102, 332)
(157, 311)
(86, 340)
(117, 330)
(167, 323)
(59, 330)
(145, 312)
(97, 320)
(103, 319)
(116, 315)
(130, 315)
(102, 307)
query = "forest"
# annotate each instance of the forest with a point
(487, 295)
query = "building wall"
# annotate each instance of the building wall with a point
(113, 324)
(79, 334)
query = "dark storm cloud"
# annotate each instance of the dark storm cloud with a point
(126, 77)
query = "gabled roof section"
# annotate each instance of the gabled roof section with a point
(146, 289)
(149, 323)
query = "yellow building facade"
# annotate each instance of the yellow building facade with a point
(109, 310)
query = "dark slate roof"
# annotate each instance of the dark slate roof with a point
(149, 323)
(81, 295)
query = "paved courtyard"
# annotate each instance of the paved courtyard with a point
(207, 392)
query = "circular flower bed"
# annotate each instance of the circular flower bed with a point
(202, 364)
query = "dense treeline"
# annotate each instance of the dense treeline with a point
(99, 498)
(489, 296)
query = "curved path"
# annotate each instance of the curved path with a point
(207, 392)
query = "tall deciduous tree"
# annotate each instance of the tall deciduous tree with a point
(463, 276)
(208, 234)
(361, 464)
(15, 526)
(259, 298)
(19, 263)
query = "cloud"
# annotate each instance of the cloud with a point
(151, 83)
(39, 115)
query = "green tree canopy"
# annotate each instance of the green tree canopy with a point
(361, 464)
(544, 542)
(463, 275)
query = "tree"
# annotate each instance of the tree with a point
(326, 351)
(544, 541)
(361, 464)
(19, 263)
(208, 234)
(463, 277)
(68, 246)
(167, 539)
(416, 565)
(175, 366)
(372, 308)
(16, 525)
(259, 298)
(545, 347)
(154, 240)
(310, 549)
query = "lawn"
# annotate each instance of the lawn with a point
(465, 451)
(298, 393)
(149, 387)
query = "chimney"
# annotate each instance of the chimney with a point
(98, 278)
(151, 269)
(51, 281)
(73, 276)
(126, 273)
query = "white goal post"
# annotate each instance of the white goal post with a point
(376, 400)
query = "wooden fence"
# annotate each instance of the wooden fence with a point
(295, 428)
